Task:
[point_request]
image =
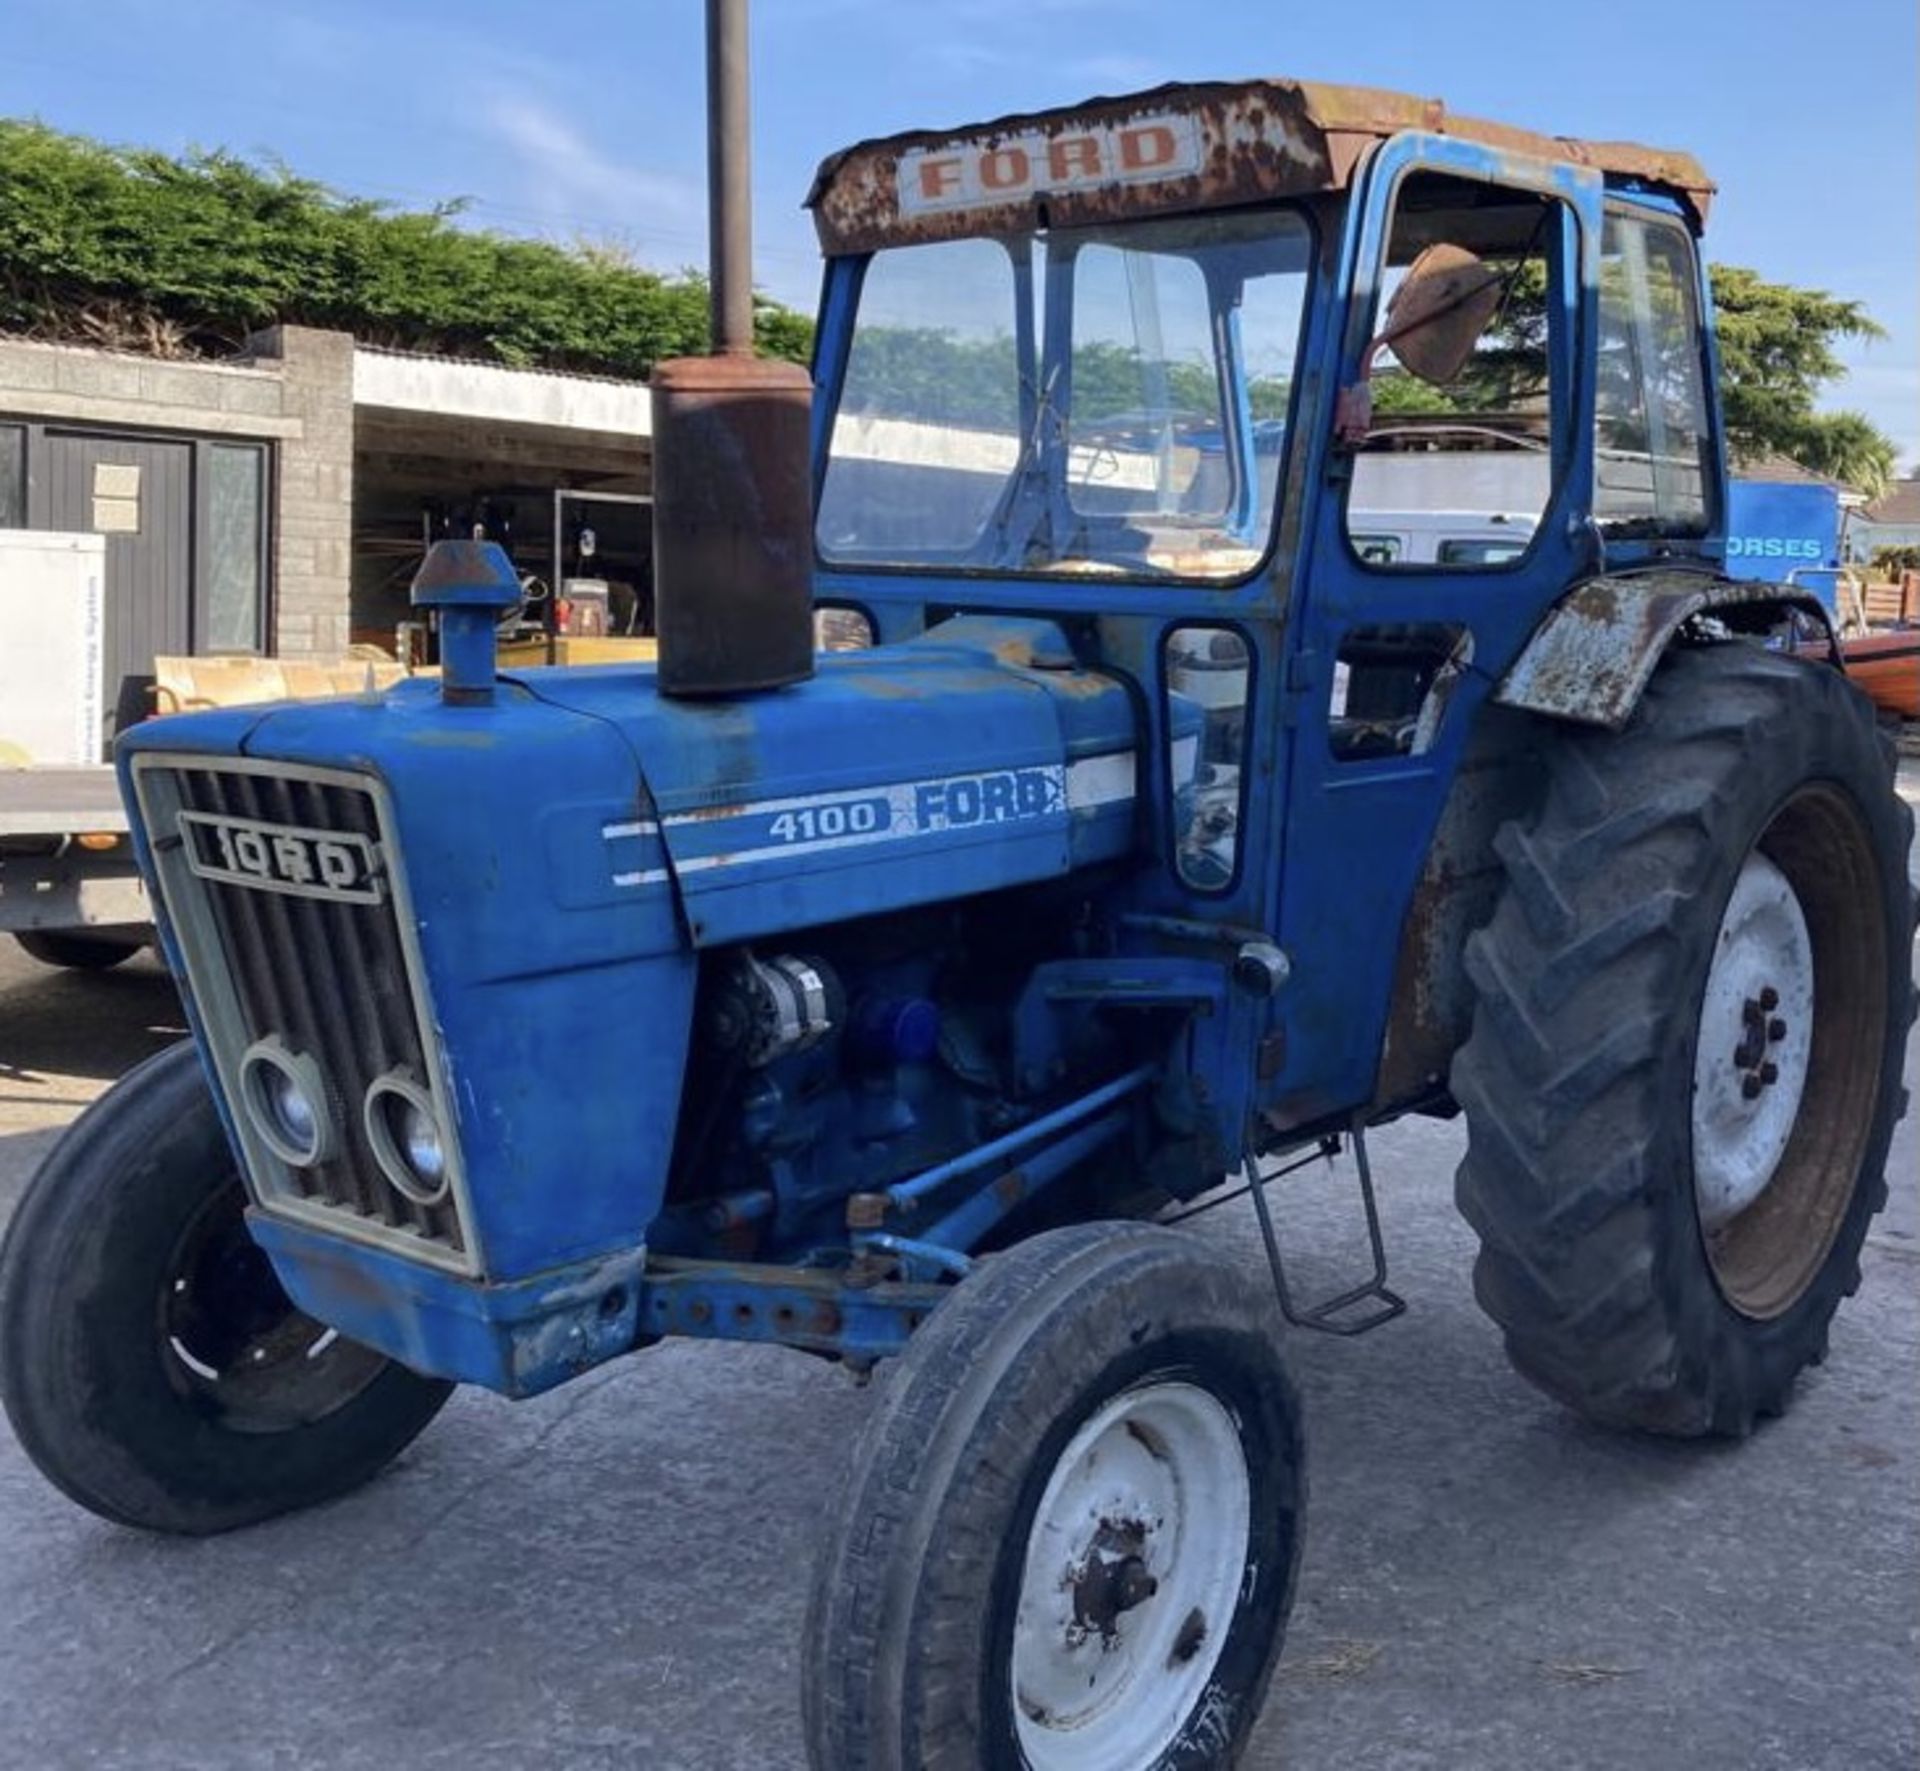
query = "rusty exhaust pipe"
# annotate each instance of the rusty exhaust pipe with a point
(732, 492)
(729, 179)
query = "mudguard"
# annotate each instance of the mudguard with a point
(1592, 656)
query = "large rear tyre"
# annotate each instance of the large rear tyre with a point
(77, 952)
(1684, 1071)
(150, 1363)
(1071, 1526)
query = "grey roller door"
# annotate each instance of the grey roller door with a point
(138, 492)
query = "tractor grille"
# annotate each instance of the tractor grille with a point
(315, 955)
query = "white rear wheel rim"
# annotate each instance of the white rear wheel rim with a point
(1134, 1568)
(1755, 1043)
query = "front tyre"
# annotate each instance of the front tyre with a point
(1072, 1523)
(1684, 1072)
(150, 1364)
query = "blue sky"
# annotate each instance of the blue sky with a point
(585, 116)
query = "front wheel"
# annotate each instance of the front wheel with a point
(150, 1363)
(1072, 1526)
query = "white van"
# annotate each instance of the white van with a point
(1447, 507)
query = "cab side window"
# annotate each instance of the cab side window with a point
(1653, 444)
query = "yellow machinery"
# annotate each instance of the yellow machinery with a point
(183, 684)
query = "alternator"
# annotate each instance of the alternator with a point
(773, 1008)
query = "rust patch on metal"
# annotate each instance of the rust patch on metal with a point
(1592, 656)
(1174, 148)
(1082, 685)
(1011, 1187)
(875, 687)
(1070, 167)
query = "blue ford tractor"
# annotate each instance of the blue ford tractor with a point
(1170, 823)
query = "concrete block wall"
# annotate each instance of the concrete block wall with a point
(293, 388)
(62, 384)
(313, 504)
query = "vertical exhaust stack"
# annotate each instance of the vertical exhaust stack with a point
(732, 498)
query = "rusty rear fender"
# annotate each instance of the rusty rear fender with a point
(1591, 658)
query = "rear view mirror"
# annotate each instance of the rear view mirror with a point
(1443, 304)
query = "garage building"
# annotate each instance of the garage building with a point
(277, 503)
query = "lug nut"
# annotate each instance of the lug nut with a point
(1769, 1075)
(1132, 1584)
(1750, 1086)
(1769, 999)
(1776, 1028)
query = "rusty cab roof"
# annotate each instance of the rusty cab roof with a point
(1178, 147)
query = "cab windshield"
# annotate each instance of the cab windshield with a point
(1097, 401)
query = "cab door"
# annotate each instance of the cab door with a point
(1443, 527)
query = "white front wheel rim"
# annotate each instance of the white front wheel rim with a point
(1134, 1569)
(1754, 1045)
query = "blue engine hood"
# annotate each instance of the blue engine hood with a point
(976, 757)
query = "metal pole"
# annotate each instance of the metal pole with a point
(556, 579)
(729, 179)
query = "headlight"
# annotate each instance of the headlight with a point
(407, 1139)
(286, 1102)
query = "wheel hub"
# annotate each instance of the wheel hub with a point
(235, 1342)
(1134, 1567)
(1113, 1580)
(1754, 1045)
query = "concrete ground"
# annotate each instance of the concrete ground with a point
(614, 1575)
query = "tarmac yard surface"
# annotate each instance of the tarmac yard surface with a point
(614, 1574)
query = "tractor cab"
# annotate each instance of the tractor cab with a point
(1298, 406)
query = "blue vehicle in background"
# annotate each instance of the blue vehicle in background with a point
(1785, 530)
(893, 1005)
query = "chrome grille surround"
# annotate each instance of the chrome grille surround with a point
(283, 886)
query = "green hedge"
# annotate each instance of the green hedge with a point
(185, 257)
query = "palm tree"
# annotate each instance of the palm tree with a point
(1850, 448)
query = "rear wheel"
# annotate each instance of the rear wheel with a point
(150, 1363)
(1684, 1073)
(77, 952)
(1072, 1524)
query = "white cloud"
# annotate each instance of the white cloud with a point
(578, 187)
(967, 55)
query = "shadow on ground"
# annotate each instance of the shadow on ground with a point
(85, 1024)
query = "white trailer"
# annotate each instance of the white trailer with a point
(69, 891)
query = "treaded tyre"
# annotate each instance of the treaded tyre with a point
(1684, 1071)
(150, 1363)
(77, 953)
(1071, 1525)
